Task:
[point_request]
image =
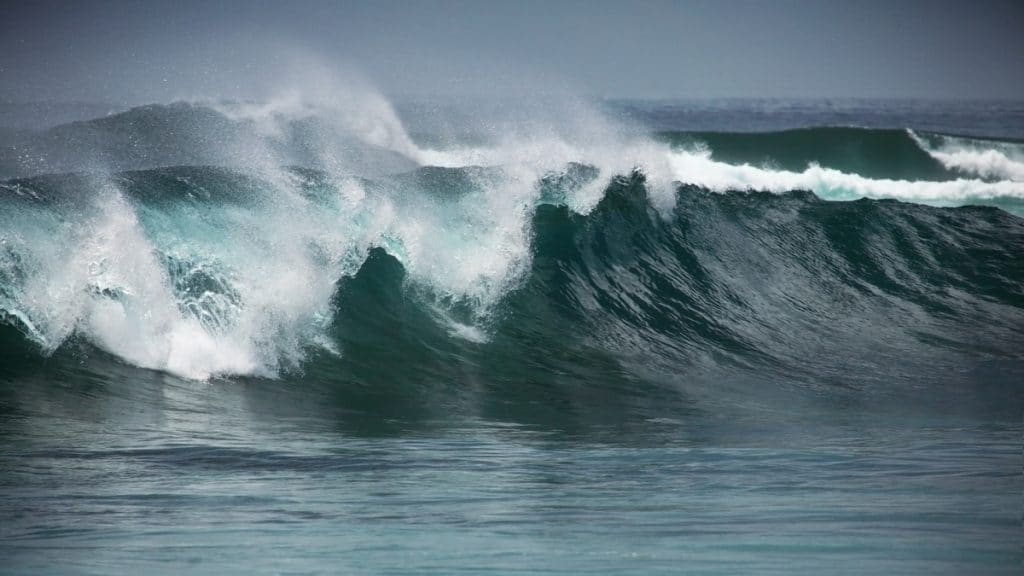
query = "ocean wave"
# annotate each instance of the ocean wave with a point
(887, 154)
(203, 272)
(211, 240)
(985, 158)
(698, 167)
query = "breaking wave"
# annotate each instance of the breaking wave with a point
(297, 237)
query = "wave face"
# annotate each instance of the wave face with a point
(882, 154)
(996, 160)
(284, 242)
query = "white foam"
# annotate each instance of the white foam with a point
(988, 159)
(697, 167)
(103, 280)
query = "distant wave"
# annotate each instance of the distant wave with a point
(699, 168)
(888, 154)
(986, 158)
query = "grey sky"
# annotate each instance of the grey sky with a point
(156, 51)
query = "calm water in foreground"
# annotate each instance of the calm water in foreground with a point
(156, 475)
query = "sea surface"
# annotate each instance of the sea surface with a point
(341, 335)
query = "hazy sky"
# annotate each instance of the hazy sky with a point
(156, 51)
